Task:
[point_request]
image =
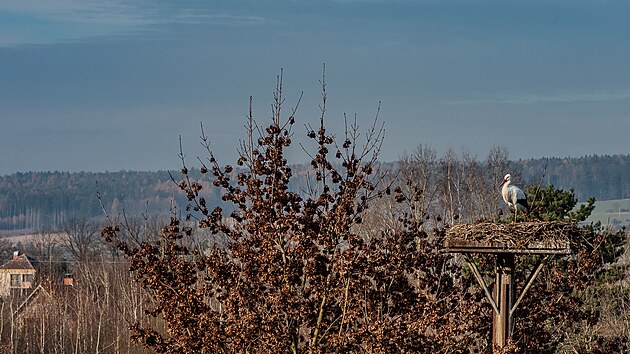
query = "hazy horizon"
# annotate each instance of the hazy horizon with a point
(110, 86)
(192, 163)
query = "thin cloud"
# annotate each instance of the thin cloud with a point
(89, 18)
(112, 12)
(555, 98)
(190, 16)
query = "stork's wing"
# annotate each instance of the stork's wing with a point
(521, 198)
(520, 194)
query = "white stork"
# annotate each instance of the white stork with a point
(513, 196)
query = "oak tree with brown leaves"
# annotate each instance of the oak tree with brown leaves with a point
(288, 271)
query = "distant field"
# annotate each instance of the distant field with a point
(12, 233)
(14, 239)
(614, 212)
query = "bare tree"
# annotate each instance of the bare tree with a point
(419, 171)
(6, 250)
(47, 249)
(80, 239)
(450, 187)
(496, 166)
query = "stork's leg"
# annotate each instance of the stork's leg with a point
(515, 212)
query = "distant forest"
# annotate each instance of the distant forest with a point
(46, 200)
(604, 177)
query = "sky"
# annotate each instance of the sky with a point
(109, 85)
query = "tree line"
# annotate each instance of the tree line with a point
(46, 200)
(41, 200)
(604, 177)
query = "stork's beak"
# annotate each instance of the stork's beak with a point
(501, 185)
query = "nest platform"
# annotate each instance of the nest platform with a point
(506, 241)
(550, 237)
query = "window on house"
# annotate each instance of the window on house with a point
(22, 280)
(16, 280)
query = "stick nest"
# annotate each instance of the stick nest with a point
(517, 234)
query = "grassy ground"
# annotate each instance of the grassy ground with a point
(612, 212)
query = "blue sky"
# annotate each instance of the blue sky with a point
(91, 85)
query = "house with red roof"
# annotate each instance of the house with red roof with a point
(18, 274)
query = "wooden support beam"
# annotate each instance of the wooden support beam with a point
(503, 297)
(530, 281)
(482, 283)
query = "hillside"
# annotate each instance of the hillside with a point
(615, 212)
(604, 177)
(35, 200)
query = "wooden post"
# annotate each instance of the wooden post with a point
(504, 296)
